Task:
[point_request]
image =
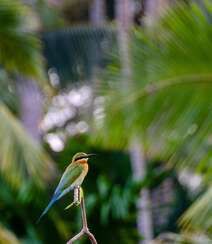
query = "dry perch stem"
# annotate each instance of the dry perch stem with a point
(85, 230)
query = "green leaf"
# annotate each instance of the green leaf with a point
(20, 50)
(22, 160)
(199, 216)
(168, 102)
(7, 236)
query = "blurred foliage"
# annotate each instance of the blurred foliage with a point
(167, 105)
(24, 166)
(22, 161)
(185, 238)
(78, 11)
(17, 43)
(194, 219)
(75, 11)
(7, 237)
(48, 17)
(168, 102)
(75, 53)
(8, 94)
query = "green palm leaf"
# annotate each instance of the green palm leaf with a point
(19, 49)
(7, 236)
(199, 216)
(22, 161)
(168, 102)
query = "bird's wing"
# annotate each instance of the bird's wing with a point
(72, 172)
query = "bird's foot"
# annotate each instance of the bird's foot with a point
(78, 194)
(70, 205)
(76, 203)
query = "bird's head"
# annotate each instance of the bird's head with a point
(82, 157)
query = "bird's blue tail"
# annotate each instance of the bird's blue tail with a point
(53, 200)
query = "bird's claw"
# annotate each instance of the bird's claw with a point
(76, 203)
(78, 197)
(70, 205)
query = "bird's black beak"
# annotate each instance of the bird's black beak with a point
(91, 155)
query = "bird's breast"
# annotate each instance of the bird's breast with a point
(82, 161)
(85, 166)
(80, 179)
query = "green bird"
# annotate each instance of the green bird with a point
(71, 178)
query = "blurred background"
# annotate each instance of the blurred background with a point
(129, 80)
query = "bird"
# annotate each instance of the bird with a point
(72, 178)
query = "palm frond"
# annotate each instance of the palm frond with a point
(188, 238)
(8, 94)
(19, 49)
(168, 102)
(7, 236)
(22, 161)
(199, 216)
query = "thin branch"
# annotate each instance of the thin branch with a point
(84, 230)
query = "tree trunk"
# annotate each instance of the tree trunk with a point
(124, 14)
(97, 12)
(31, 106)
(97, 16)
(154, 9)
(144, 210)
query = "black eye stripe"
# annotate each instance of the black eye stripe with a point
(81, 157)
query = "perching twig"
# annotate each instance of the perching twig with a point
(85, 231)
